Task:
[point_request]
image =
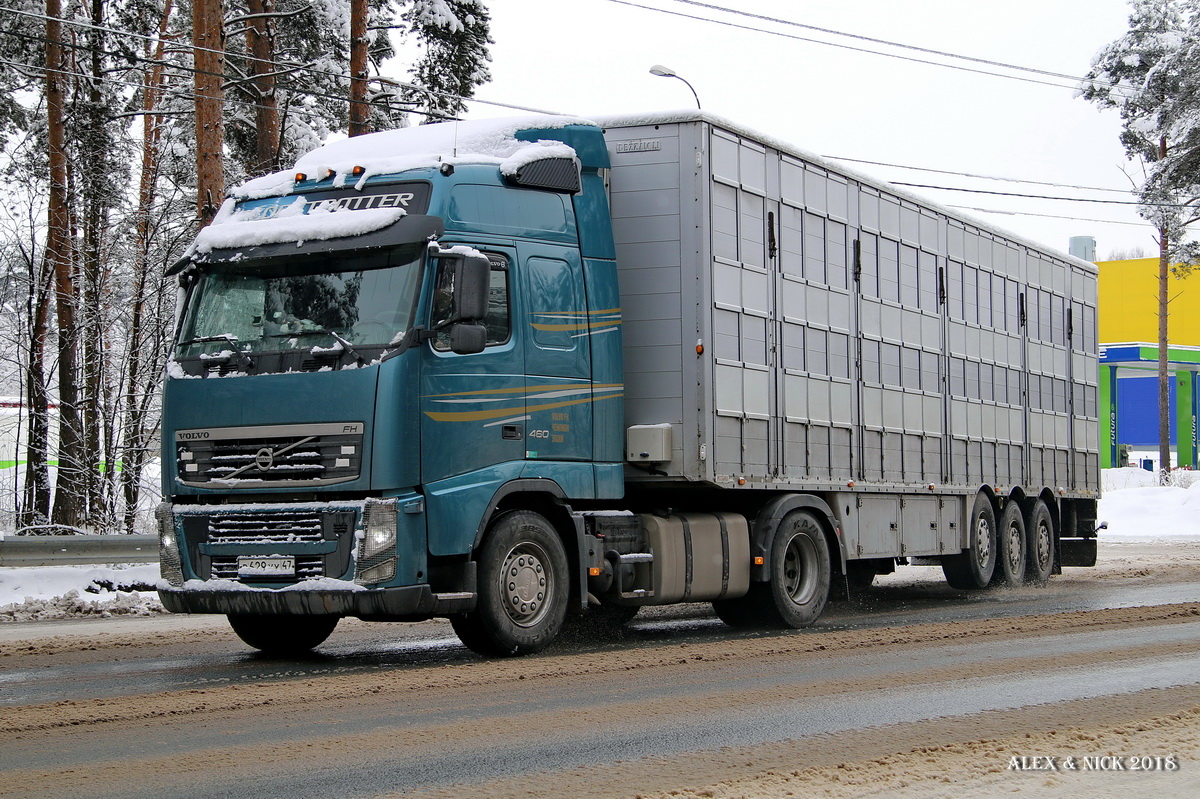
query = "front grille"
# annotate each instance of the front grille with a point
(320, 538)
(278, 527)
(277, 456)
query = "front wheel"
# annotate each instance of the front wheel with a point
(283, 635)
(523, 585)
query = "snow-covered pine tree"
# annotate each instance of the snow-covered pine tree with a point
(1151, 75)
(453, 36)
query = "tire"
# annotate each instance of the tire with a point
(1011, 546)
(972, 569)
(798, 588)
(523, 587)
(1039, 528)
(283, 635)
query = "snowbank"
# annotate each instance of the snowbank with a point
(1135, 507)
(59, 592)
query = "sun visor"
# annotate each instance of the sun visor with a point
(408, 229)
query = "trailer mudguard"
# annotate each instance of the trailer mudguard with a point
(767, 520)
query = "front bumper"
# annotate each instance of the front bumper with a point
(405, 602)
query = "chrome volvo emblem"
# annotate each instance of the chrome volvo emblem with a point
(264, 459)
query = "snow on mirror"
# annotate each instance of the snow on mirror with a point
(366, 301)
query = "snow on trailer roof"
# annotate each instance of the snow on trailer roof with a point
(494, 141)
(694, 115)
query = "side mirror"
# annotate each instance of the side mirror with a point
(473, 282)
(462, 288)
(467, 339)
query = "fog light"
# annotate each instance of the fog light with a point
(170, 566)
(379, 573)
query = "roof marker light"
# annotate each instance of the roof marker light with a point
(301, 177)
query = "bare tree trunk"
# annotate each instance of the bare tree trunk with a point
(94, 478)
(135, 436)
(35, 505)
(208, 42)
(68, 501)
(1164, 373)
(360, 112)
(261, 36)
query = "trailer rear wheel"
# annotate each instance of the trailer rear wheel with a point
(1012, 549)
(283, 635)
(523, 584)
(1040, 529)
(973, 567)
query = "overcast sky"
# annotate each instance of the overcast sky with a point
(592, 57)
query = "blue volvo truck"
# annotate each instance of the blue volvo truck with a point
(521, 372)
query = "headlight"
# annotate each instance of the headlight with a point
(377, 551)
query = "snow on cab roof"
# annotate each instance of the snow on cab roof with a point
(389, 151)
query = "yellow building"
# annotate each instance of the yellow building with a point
(1129, 303)
(1128, 335)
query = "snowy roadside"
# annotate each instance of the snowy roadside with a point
(66, 592)
(1134, 508)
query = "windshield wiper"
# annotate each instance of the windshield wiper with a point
(229, 337)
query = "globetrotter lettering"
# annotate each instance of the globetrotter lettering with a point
(352, 203)
(360, 203)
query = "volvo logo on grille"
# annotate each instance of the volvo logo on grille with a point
(264, 459)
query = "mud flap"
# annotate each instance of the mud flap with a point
(1077, 552)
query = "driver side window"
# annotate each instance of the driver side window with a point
(498, 320)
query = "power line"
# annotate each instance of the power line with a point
(974, 175)
(847, 46)
(176, 67)
(1046, 216)
(1040, 196)
(900, 45)
(251, 59)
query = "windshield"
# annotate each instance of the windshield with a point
(364, 301)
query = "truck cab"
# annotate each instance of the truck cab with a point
(374, 360)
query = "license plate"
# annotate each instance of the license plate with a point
(267, 566)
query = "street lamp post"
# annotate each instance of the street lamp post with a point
(667, 72)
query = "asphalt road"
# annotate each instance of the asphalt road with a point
(168, 707)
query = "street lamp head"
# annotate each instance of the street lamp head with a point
(666, 72)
